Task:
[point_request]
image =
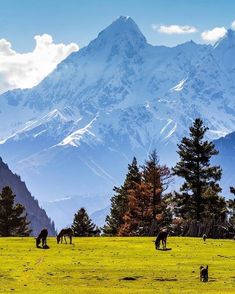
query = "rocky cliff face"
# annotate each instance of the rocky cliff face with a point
(36, 215)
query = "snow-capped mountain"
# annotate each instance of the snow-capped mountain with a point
(75, 132)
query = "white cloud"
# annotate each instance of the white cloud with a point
(26, 70)
(214, 34)
(233, 25)
(174, 29)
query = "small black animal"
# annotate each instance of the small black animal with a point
(42, 237)
(204, 237)
(63, 233)
(162, 236)
(204, 273)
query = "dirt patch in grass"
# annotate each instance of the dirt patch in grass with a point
(229, 257)
(166, 279)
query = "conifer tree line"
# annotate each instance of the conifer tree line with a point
(142, 206)
(14, 223)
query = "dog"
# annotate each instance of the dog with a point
(204, 237)
(204, 273)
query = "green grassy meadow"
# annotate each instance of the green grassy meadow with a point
(116, 265)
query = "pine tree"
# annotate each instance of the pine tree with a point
(199, 193)
(158, 178)
(13, 220)
(139, 214)
(146, 209)
(82, 225)
(119, 201)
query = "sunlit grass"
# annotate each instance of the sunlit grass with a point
(116, 265)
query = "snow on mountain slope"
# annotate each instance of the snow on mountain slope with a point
(118, 97)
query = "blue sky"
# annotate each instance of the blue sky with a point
(80, 21)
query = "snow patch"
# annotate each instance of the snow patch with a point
(74, 138)
(180, 86)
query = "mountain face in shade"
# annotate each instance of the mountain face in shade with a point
(74, 133)
(36, 215)
(226, 159)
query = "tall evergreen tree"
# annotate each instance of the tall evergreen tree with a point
(139, 214)
(82, 225)
(13, 219)
(146, 209)
(199, 192)
(158, 177)
(119, 201)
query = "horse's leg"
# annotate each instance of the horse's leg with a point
(65, 240)
(70, 237)
(61, 239)
(163, 243)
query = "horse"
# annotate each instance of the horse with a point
(63, 233)
(204, 237)
(162, 236)
(42, 237)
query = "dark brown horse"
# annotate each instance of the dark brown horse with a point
(162, 236)
(63, 234)
(42, 237)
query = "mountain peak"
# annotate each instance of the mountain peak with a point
(228, 40)
(123, 28)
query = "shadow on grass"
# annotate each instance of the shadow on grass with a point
(130, 278)
(164, 249)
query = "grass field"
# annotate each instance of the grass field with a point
(116, 265)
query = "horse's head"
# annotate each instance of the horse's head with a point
(58, 239)
(157, 243)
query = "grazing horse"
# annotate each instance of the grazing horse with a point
(162, 236)
(63, 233)
(42, 237)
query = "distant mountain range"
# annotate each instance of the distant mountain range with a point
(75, 132)
(35, 214)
